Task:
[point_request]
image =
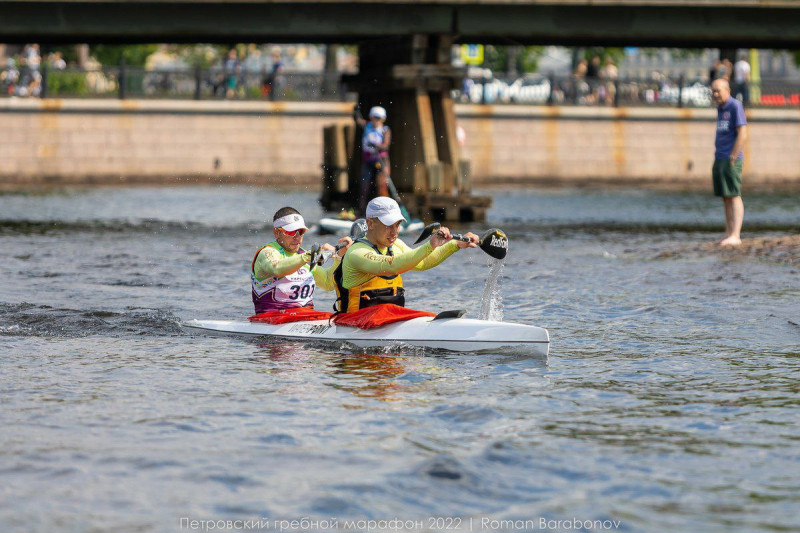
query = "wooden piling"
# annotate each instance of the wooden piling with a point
(411, 78)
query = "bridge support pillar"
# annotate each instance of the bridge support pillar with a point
(412, 78)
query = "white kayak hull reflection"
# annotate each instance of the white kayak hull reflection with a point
(453, 334)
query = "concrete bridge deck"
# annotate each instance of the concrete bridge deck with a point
(680, 23)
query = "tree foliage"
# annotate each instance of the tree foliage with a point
(135, 55)
(615, 54)
(526, 59)
(201, 55)
(677, 53)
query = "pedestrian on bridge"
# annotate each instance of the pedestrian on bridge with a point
(741, 80)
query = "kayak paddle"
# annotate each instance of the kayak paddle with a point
(394, 194)
(315, 257)
(357, 231)
(494, 242)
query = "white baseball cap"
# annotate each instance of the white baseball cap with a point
(290, 222)
(384, 209)
(377, 112)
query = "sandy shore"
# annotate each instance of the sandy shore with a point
(785, 249)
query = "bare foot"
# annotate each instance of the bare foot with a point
(730, 241)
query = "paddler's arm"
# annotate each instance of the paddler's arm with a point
(323, 277)
(438, 255)
(366, 260)
(271, 264)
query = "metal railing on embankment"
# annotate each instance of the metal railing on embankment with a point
(620, 92)
(217, 83)
(198, 84)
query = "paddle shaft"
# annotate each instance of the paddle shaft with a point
(394, 194)
(324, 256)
(458, 237)
(494, 242)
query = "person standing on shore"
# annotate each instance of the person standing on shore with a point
(728, 159)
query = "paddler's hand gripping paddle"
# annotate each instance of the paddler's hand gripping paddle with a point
(494, 242)
(357, 231)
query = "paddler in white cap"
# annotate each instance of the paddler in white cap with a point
(280, 275)
(369, 273)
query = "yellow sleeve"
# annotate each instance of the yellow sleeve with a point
(361, 262)
(323, 277)
(271, 264)
(438, 255)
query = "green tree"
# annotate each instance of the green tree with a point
(496, 58)
(616, 54)
(112, 54)
(200, 55)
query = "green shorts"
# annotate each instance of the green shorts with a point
(727, 177)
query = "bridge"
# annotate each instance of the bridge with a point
(674, 23)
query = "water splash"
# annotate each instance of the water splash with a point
(491, 301)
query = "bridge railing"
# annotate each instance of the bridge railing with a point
(217, 83)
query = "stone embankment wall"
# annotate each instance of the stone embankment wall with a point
(662, 146)
(280, 144)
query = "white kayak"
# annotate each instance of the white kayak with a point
(342, 226)
(448, 331)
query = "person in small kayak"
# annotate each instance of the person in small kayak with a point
(369, 273)
(279, 274)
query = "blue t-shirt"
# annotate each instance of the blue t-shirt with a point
(730, 116)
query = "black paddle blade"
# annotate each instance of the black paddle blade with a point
(495, 243)
(358, 229)
(314, 257)
(427, 231)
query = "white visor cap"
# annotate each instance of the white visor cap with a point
(384, 209)
(377, 112)
(290, 222)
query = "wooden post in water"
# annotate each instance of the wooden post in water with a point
(335, 186)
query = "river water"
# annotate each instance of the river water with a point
(669, 401)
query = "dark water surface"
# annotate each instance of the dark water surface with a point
(669, 401)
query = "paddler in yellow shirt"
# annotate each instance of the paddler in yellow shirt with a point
(370, 271)
(280, 275)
